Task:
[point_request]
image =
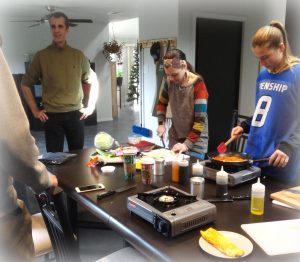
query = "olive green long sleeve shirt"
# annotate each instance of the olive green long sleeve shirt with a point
(62, 72)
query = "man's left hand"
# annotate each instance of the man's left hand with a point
(279, 159)
(86, 111)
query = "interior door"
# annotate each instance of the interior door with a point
(218, 55)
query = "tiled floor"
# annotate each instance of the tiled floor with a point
(97, 243)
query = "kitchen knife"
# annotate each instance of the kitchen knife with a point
(118, 190)
(228, 199)
(125, 188)
(163, 141)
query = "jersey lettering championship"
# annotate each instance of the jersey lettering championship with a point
(277, 111)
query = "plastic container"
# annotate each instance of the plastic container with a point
(222, 183)
(257, 198)
(134, 139)
(108, 169)
(197, 169)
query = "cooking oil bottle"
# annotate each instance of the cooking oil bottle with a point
(257, 198)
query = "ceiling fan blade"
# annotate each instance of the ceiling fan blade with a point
(34, 25)
(29, 21)
(81, 20)
(72, 24)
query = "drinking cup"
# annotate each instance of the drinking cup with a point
(147, 170)
(129, 164)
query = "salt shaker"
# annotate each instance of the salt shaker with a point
(159, 166)
(197, 186)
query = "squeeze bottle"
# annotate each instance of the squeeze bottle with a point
(222, 183)
(197, 169)
(257, 198)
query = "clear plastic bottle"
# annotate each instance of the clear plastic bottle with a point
(257, 198)
(197, 169)
(222, 183)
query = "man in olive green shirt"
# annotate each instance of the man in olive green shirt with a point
(62, 70)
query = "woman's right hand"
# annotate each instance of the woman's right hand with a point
(237, 131)
(161, 129)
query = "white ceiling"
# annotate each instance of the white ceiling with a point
(100, 11)
(97, 10)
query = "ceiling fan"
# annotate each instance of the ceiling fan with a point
(51, 9)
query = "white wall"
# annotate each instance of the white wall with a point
(161, 19)
(179, 21)
(18, 40)
(254, 14)
(292, 23)
(158, 19)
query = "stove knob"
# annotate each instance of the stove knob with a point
(162, 227)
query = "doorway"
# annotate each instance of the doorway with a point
(218, 59)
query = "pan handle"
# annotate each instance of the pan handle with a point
(260, 160)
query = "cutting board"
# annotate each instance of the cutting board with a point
(277, 237)
(288, 198)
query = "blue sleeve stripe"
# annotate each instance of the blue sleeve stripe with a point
(201, 108)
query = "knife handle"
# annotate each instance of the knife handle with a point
(241, 197)
(105, 194)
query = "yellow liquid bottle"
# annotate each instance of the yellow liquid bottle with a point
(257, 198)
(257, 205)
(175, 171)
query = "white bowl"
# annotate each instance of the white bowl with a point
(108, 169)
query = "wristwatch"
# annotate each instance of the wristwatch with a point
(160, 123)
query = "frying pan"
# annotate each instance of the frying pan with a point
(247, 159)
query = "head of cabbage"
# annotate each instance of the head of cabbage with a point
(103, 141)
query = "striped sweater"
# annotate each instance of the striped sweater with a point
(189, 114)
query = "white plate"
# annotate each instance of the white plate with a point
(108, 169)
(241, 241)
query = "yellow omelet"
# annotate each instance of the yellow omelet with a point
(222, 243)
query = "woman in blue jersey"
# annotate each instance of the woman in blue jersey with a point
(274, 130)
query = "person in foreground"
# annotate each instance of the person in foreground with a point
(186, 93)
(18, 160)
(62, 70)
(274, 131)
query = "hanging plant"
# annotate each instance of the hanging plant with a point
(112, 51)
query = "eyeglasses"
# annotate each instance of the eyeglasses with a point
(174, 62)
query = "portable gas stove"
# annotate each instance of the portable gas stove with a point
(171, 211)
(236, 175)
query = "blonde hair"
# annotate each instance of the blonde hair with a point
(272, 36)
